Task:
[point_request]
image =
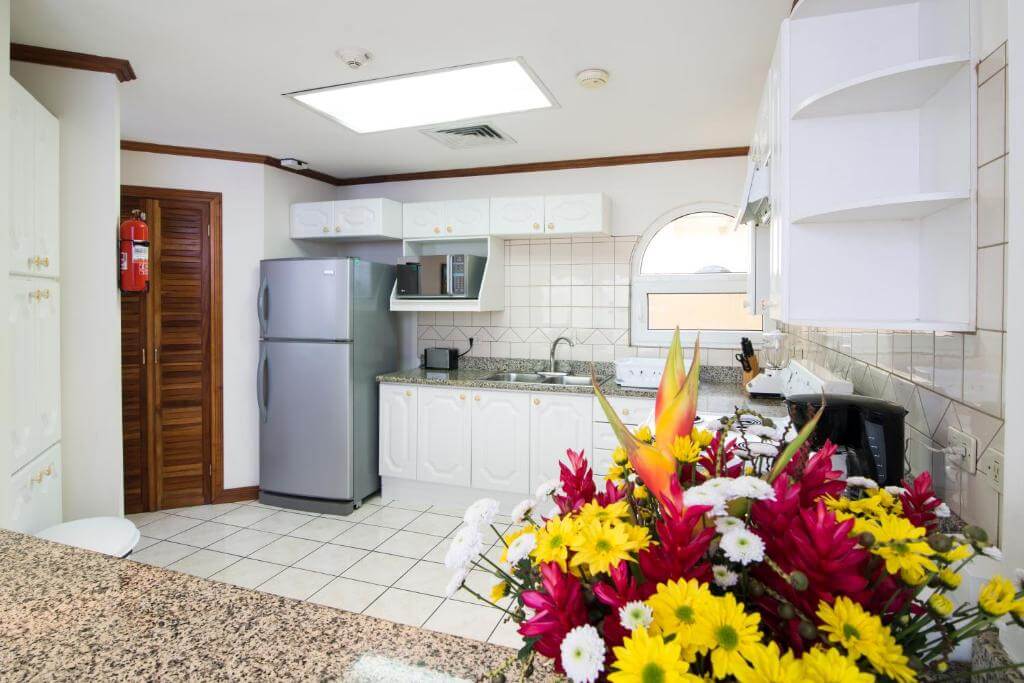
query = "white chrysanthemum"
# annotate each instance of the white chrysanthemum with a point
(457, 581)
(993, 552)
(1019, 573)
(583, 653)
(724, 577)
(762, 448)
(631, 477)
(549, 488)
(523, 510)
(720, 485)
(635, 614)
(726, 524)
(481, 513)
(743, 546)
(763, 431)
(701, 496)
(895, 490)
(862, 482)
(521, 547)
(942, 510)
(752, 487)
(465, 548)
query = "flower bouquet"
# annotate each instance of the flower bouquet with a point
(730, 554)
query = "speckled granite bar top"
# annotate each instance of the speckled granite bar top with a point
(71, 615)
(720, 388)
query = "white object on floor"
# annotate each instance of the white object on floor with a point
(108, 535)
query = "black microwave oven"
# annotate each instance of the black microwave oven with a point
(447, 276)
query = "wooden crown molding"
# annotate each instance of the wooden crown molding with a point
(566, 164)
(121, 68)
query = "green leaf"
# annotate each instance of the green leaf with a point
(795, 444)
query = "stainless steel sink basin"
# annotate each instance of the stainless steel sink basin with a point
(535, 378)
(571, 380)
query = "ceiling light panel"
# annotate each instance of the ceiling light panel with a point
(421, 99)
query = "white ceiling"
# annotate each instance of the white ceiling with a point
(685, 74)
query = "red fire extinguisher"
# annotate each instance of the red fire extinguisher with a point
(134, 251)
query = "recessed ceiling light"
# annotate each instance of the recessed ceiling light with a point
(420, 99)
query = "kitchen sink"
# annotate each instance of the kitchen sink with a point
(572, 380)
(535, 378)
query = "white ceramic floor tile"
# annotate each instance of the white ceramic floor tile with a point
(417, 507)
(463, 619)
(141, 519)
(171, 525)
(295, 583)
(281, 522)
(203, 563)
(379, 568)
(481, 583)
(439, 551)
(409, 544)
(144, 542)
(375, 499)
(426, 577)
(507, 633)
(403, 607)
(447, 511)
(331, 559)
(393, 518)
(204, 534)
(364, 536)
(434, 524)
(358, 514)
(321, 529)
(243, 542)
(286, 550)
(205, 511)
(354, 596)
(162, 554)
(245, 515)
(248, 573)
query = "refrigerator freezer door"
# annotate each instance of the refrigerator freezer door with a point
(306, 419)
(305, 299)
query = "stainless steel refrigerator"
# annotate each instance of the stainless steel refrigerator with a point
(326, 332)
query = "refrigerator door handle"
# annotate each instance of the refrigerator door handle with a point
(263, 383)
(262, 299)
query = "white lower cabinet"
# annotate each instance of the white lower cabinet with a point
(444, 436)
(501, 441)
(398, 431)
(557, 422)
(35, 493)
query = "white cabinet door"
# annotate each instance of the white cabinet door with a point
(423, 219)
(557, 422)
(501, 441)
(398, 431)
(46, 191)
(22, 165)
(467, 217)
(47, 364)
(35, 494)
(22, 362)
(444, 436)
(312, 219)
(517, 215)
(576, 213)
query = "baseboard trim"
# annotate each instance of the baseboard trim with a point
(238, 495)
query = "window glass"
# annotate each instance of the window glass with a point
(704, 311)
(703, 242)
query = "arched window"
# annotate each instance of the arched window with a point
(690, 270)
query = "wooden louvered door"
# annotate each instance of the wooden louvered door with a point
(172, 411)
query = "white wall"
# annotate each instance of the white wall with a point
(5, 217)
(281, 190)
(88, 107)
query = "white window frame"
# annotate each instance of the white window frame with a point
(642, 285)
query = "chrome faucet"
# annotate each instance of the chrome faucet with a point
(554, 346)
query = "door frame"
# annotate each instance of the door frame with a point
(216, 386)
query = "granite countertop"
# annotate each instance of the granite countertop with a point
(720, 388)
(69, 615)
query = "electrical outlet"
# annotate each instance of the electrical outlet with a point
(990, 468)
(963, 450)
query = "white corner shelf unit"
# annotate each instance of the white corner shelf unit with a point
(492, 288)
(868, 122)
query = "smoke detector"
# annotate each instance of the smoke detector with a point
(592, 79)
(294, 164)
(354, 57)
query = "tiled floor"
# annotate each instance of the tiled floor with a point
(385, 560)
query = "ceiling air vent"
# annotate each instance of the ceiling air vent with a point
(464, 137)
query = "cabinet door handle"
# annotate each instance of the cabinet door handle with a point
(551, 226)
(476, 398)
(536, 226)
(625, 411)
(46, 294)
(437, 230)
(337, 228)
(536, 401)
(156, 355)
(37, 261)
(449, 228)
(462, 397)
(408, 392)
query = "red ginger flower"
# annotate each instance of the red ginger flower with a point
(577, 483)
(622, 589)
(815, 474)
(920, 502)
(559, 608)
(682, 542)
(611, 494)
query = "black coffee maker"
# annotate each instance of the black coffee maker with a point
(867, 430)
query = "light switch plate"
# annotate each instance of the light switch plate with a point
(990, 468)
(963, 450)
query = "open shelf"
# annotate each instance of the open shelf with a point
(906, 86)
(806, 9)
(455, 305)
(492, 287)
(908, 207)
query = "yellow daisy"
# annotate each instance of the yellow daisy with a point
(731, 633)
(676, 605)
(643, 658)
(553, 540)
(832, 666)
(644, 434)
(950, 579)
(889, 660)
(600, 546)
(901, 545)
(508, 538)
(997, 597)
(619, 456)
(848, 624)
(499, 591)
(592, 512)
(766, 666)
(686, 449)
(615, 473)
(961, 552)
(940, 604)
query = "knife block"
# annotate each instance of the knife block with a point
(755, 370)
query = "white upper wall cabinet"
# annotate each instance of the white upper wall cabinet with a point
(349, 219)
(454, 218)
(513, 216)
(866, 127)
(551, 215)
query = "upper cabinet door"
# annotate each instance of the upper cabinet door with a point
(423, 219)
(557, 422)
(312, 219)
(517, 216)
(397, 431)
(375, 217)
(501, 441)
(467, 217)
(46, 192)
(22, 164)
(47, 363)
(576, 213)
(444, 436)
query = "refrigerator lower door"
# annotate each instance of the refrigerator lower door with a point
(305, 402)
(305, 299)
